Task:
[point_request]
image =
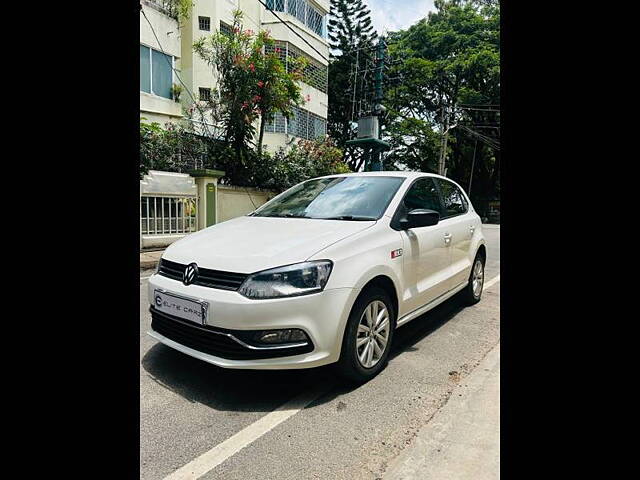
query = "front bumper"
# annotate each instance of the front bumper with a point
(322, 316)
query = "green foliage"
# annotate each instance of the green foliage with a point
(285, 168)
(184, 8)
(172, 149)
(178, 9)
(176, 90)
(452, 57)
(177, 149)
(250, 84)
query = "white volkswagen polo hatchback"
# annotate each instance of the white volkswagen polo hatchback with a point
(323, 273)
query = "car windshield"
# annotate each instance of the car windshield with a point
(335, 198)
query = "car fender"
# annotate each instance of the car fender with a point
(358, 260)
(362, 281)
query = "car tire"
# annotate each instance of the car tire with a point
(350, 366)
(472, 293)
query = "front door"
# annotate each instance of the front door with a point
(426, 256)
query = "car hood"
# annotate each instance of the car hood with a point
(250, 244)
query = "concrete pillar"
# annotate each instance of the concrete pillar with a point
(207, 188)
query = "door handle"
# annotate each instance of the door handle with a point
(447, 238)
(472, 228)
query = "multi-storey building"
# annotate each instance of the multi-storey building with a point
(157, 77)
(306, 17)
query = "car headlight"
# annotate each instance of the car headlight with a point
(292, 280)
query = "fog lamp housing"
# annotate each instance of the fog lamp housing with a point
(277, 337)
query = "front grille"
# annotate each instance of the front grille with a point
(213, 341)
(206, 278)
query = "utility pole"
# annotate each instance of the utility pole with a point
(378, 108)
(445, 138)
(473, 163)
(370, 126)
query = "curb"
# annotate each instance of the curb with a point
(148, 264)
(150, 259)
(419, 460)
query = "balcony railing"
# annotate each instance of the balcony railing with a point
(171, 8)
(304, 12)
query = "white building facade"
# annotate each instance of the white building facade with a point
(158, 61)
(159, 71)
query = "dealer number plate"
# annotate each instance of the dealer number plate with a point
(191, 310)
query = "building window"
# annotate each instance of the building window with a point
(145, 69)
(315, 20)
(204, 94)
(315, 74)
(204, 23)
(277, 125)
(156, 72)
(306, 13)
(226, 29)
(302, 123)
(277, 5)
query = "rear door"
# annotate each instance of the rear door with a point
(459, 224)
(426, 257)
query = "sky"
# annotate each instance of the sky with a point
(397, 14)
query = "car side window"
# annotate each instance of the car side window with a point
(453, 200)
(423, 194)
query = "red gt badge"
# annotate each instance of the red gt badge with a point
(396, 253)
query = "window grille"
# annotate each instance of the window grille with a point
(281, 52)
(315, 20)
(276, 5)
(306, 13)
(302, 123)
(315, 74)
(226, 29)
(204, 23)
(204, 94)
(277, 125)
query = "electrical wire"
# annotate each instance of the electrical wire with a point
(483, 138)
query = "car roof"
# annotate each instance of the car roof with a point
(390, 173)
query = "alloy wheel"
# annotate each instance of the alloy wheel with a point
(478, 278)
(372, 337)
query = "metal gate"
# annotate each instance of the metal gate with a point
(168, 208)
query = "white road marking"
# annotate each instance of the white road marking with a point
(218, 454)
(491, 282)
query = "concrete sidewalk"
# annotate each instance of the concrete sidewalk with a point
(149, 260)
(462, 440)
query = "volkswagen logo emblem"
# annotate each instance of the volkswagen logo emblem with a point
(190, 274)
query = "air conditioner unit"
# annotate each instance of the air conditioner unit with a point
(368, 127)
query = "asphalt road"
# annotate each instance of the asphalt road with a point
(188, 407)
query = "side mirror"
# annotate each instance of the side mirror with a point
(420, 217)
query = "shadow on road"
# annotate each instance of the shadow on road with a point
(408, 335)
(264, 390)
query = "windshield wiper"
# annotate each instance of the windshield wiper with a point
(359, 218)
(282, 215)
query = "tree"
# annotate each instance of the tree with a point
(351, 38)
(251, 83)
(304, 160)
(451, 63)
